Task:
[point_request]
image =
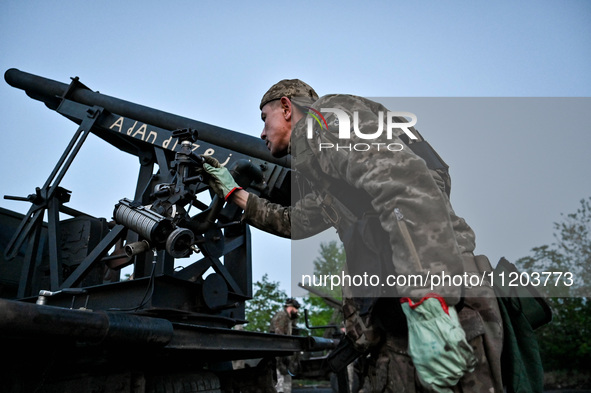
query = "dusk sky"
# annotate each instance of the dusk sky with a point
(513, 175)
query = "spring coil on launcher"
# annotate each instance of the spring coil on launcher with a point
(148, 224)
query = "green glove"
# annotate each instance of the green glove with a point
(437, 343)
(221, 181)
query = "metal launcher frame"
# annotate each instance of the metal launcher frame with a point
(70, 307)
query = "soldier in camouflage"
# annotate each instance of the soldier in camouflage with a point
(284, 322)
(392, 211)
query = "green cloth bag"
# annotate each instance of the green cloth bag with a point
(437, 343)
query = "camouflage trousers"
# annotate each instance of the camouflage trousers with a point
(283, 383)
(389, 366)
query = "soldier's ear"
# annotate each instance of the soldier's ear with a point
(286, 108)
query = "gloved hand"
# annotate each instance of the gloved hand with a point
(437, 342)
(220, 180)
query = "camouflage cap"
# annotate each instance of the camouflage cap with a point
(292, 89)
(292, 302)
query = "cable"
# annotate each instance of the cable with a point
(149, 290)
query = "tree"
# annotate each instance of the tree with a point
(565, 343)
(322, 310)
(267, 300)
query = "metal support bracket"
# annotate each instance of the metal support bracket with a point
(50, 198)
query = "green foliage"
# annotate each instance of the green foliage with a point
(266, 301)
(321, 312)
(331, 261)
(566, 342)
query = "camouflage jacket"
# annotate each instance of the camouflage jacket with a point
(411, 200)
(281, 323)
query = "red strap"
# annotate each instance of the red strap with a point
(230, 193)
(427, 296)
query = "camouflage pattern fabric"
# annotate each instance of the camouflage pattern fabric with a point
(281, 323)
(291, 88)
(425, 235)
(411, 205)
(277, 219)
